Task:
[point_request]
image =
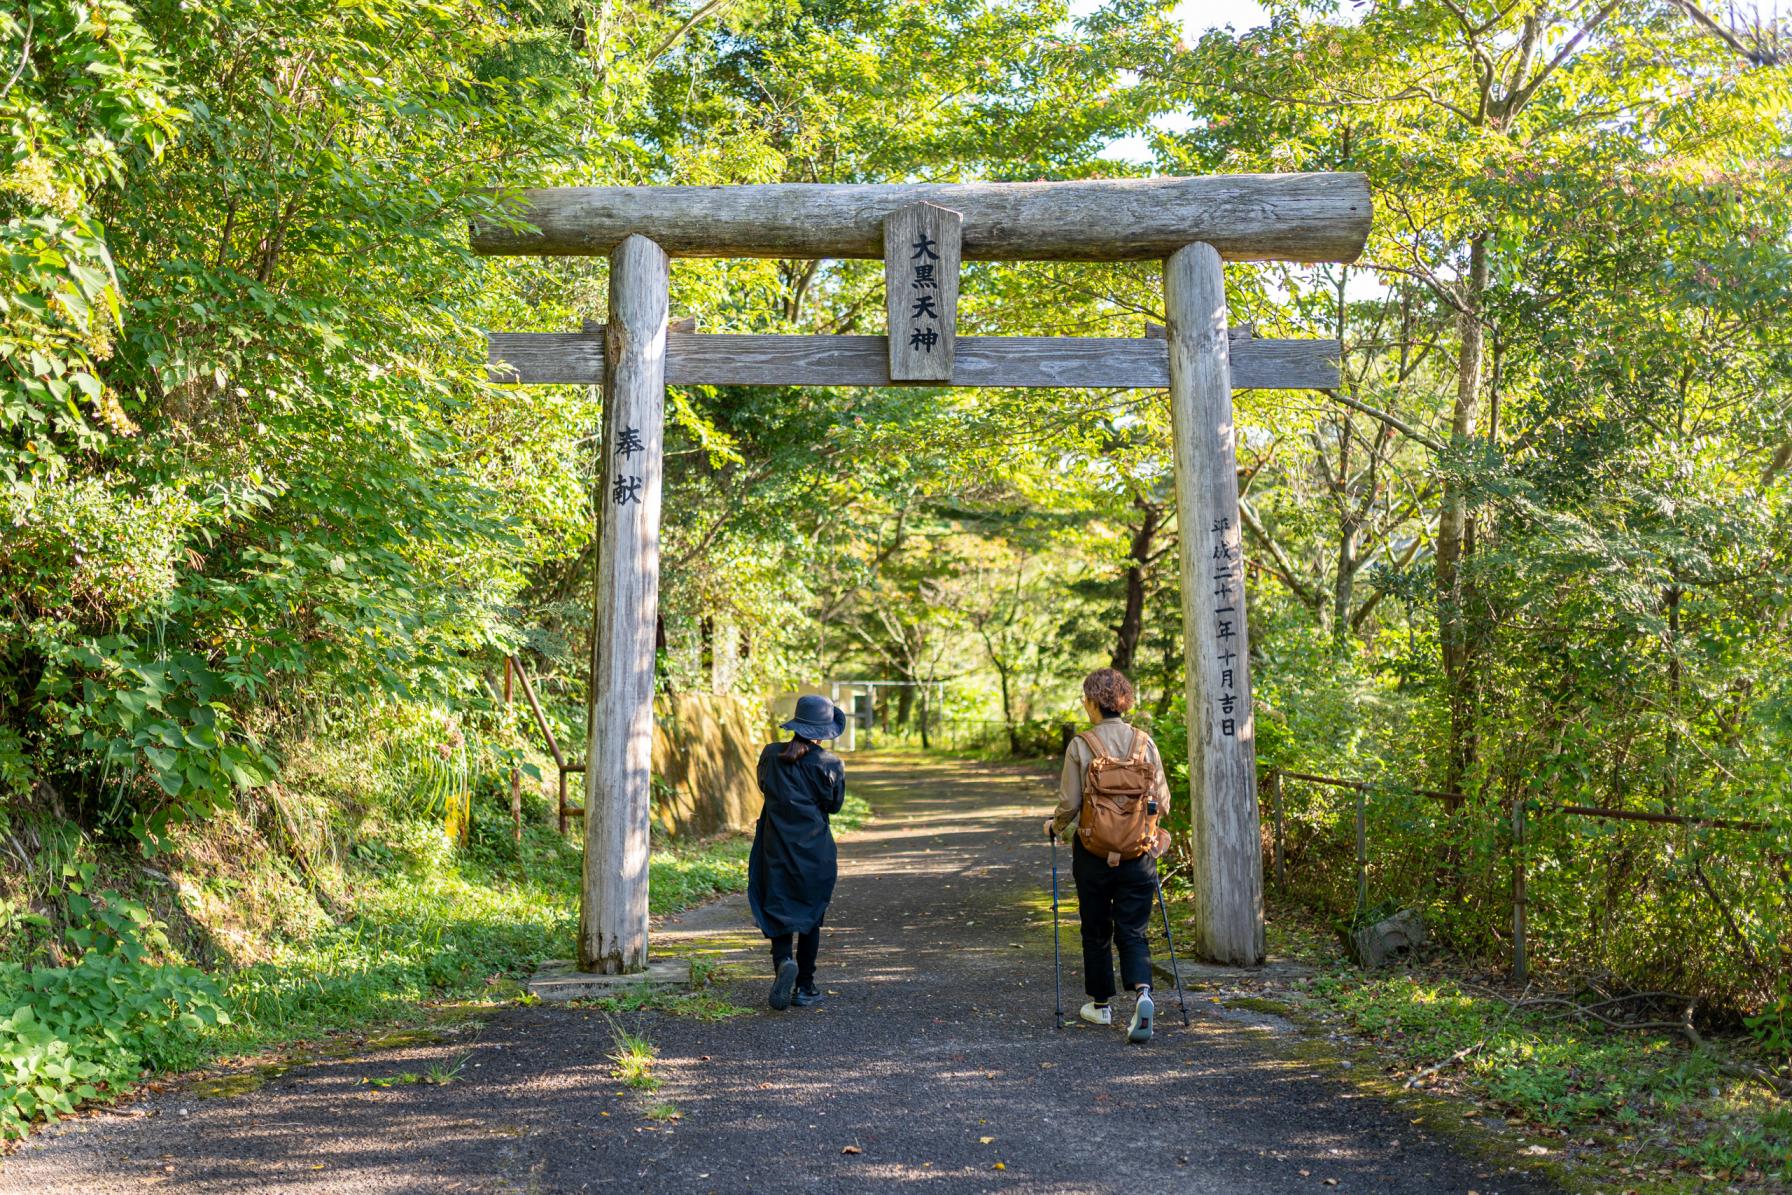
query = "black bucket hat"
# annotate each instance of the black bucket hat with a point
(817, 718)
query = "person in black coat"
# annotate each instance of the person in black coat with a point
(791, 872)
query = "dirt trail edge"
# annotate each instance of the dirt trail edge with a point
(934, 1063)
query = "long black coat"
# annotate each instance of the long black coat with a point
(790, 875)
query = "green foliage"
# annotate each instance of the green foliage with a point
(855, 811)
(426, 926)
(680, 876)
(1567, 1076)
(76, 1032)
(87, 99)
(433, 925)
(1772, 1027)
(84, 552)
(238, 450)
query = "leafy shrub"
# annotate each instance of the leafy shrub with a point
(69, 1034)
(87, 551)
(1041, 737)
(1569, 1075)
(1772, 1027)
(132, 706)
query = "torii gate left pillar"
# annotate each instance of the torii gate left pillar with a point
(619, 751)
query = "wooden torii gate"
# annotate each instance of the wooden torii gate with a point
(922, 232)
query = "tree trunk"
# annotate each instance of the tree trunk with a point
(1344, 583)
(1455, 535)
(1007, 708)
(1132, 619)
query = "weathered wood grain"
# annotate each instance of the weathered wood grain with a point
(686, 323)
(922, 244)
(1246, 217)
(541, 358)
(1244, 331)
(619, 746)
(1228, 856)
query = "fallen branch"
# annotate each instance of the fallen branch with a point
(1576, 1008)
(1435, 1067)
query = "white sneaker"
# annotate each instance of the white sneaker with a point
(1143, 1013)
(1097, 1014)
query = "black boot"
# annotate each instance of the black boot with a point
(783, 985)
(807, 994)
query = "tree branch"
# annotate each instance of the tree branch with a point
(24, 53)
(1283, 567)
(1394, 421)
(1519, 98)
(1757, 55)
(696, 19)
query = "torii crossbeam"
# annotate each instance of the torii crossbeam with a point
(922, 232)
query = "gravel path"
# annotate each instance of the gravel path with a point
(934, 1065)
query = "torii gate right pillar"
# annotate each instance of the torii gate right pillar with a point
(1222, 753)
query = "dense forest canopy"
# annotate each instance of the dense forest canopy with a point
(1535, 548)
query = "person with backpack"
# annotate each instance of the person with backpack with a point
(1114, 791)
(793, 866)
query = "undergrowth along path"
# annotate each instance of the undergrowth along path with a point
(934, 1061)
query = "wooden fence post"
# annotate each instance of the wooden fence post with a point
(619, 740)
(1519, 966)
(1275, 789)
(1227, 839)
(1362, 850)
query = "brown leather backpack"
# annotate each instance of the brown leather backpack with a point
(1120, 810)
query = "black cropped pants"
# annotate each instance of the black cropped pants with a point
(1114, 904)
(806, 947)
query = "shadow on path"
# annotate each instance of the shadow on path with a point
(933, 1066)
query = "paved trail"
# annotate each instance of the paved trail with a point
(935, 1062)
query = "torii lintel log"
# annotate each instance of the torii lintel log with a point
(1245, 217)
(705, 359)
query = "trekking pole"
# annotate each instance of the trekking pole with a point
(1057, 964)
(1174, 969)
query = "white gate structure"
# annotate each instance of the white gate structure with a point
(923, 232)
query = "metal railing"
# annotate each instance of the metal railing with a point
(514, 667)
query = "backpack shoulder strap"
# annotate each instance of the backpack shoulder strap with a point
(1096, 750)
(1140, 741)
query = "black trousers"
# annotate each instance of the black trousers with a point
(1114, 904)
(806, 947)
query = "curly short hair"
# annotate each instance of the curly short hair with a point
(1109, 689)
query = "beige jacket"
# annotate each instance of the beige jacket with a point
(1116, 739)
